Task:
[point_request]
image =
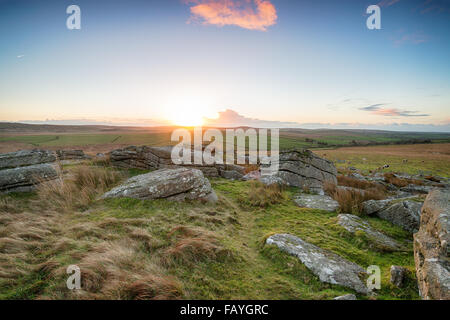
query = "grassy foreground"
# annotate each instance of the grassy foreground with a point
(131, 249)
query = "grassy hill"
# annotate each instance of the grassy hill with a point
(132, 249)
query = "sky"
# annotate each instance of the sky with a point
(311, 63)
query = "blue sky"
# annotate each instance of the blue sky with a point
(313, 63)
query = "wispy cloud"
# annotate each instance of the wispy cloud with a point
(373, 107)
(230, 118)
(248, 14)
(387, 3)
(377, 109)
(434, 6)
(417, 37)
(20, 56)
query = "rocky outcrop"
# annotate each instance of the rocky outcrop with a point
(415, 189)
(172, 184)
(432, 247)
(313, 201)
(304, 169)
(398, 275)
(328, 266)
(401, 212)
(71, 155)
(252, 175)
(353, 223)
(26, 158)
(153, 158)
(136, 157)
(24, 179)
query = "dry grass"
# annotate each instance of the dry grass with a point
(153, 287)
(350, 200)
(104, 161)
(400, 182)
(191, 246)
(359, 184)
(117, 270)
(262, 196)
(10, 205)
(433, 179)
(78, 190)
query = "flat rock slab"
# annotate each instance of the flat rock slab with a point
(328, 266)
(353, 223)
(401, 212)
(172, 184)
(151, 158)
(304, 169)
(313, 201)
(24, 179)
(26, 158)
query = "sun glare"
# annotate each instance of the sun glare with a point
(187, 118)
(188, 110)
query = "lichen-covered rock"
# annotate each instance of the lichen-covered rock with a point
(151, 158)
(71, 155)
(354, 223)
(398, 275)
(328, 266)
(304, 169)
(172, 184)
(432, 248)
(26, 158)
(415, 189)
(253, 175)
(135, 157)
(271, 179)
(401, 212)
(314, 201)
(24, 179)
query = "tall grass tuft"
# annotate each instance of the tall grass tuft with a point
(262, 196)
(351, 200)
(78, 190)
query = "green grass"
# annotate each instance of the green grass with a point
(287, 141)
(249, 269)
(65, 140)
(371, 162)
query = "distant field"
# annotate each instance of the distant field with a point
(356, 147)
(103, 139)
(421, 158)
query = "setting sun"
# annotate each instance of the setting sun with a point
(189, 109)
(186, 117)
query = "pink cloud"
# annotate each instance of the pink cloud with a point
(248, 14)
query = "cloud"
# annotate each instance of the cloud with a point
(410, 38)
(376, 109)
(373, 107)
(20, 56)
(102, 122)
(387, 3)
(247, 14)
(230, 118)
(438, 6)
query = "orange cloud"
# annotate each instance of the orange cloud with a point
(248, 14)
